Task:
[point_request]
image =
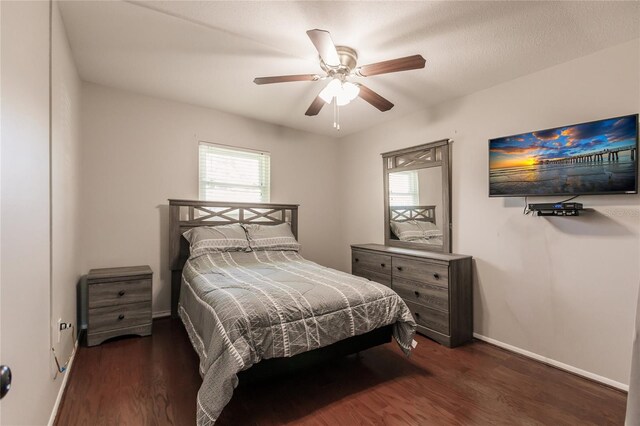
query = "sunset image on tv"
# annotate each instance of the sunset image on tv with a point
(596, 157)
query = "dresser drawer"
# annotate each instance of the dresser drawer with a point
(371, 261)
(420, 271)
(118, 293)
(373, 276)
(119, 316)
(429, 295)
(430, 318)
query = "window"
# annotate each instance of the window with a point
(403, 188)
(233, 174)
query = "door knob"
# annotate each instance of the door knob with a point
(5, 380)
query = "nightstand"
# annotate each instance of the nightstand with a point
(119, 303)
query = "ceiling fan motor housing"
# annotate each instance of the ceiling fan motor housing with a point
(348, 59)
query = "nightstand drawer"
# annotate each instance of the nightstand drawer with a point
(119, 316)
(429, 295)
(373, 276)
(118, 293)
(420, 271)
(373, 262)
(430, 318)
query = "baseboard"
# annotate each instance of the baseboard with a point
(63, 385)
(554, 363)
(161, 314)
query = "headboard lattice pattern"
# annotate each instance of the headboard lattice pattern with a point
(406, 213)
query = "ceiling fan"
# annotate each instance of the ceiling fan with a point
(339, 64)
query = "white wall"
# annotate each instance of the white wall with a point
(563, 288)
(24, 224)
(65, 186)
(37, 236)
(139, 151)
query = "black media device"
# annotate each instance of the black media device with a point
(556, 209)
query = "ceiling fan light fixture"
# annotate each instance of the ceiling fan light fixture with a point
(350, 90)
(344, 92)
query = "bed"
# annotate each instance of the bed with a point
(252, 313)
(419, 216)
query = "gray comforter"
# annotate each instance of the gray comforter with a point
(239, 308)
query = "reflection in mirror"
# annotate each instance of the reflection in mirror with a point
(415, 206)
(417, 202)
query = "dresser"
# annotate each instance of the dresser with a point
(119, 303)
(437, 287)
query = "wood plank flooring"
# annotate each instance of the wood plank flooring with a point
(154, 381)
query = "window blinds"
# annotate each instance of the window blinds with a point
(403, 188)
(230, 174)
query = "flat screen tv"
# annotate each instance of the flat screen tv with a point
(598, 157)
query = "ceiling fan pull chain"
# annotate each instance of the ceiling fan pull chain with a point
(335, 112)
(338, 116)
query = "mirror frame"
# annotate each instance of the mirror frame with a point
(412, 159)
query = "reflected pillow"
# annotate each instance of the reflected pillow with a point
(271, 237)
(217, 239)
(407, 231)
(413, 230)
(430, 229)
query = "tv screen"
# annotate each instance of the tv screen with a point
(599, 157)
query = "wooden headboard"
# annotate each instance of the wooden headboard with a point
(187, 214)
(405, 213)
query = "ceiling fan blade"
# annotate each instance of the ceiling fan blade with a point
(321, 39)
(394, 65)
(374, 99)
(286, 78)
(315, 106)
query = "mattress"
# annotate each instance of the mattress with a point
(239, 308)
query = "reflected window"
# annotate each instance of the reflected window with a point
(403, 188)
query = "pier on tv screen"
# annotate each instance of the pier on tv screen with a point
(599, 157)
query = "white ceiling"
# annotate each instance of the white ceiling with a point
(207, 53)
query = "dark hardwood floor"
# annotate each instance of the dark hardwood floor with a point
(154, 381)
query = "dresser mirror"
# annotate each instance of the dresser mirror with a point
(417, 201)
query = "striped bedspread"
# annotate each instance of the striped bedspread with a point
(239, 308)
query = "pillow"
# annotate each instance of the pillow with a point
(407, 231)
(430, 229)
(216, 239)
(412, 230)
(271, 237)
(427, 226)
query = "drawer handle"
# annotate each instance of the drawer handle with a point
(416, 293)
(382, 264)
(357, 260)
(399, 268)
(121, 293)
(121, 317)
(436, 276)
